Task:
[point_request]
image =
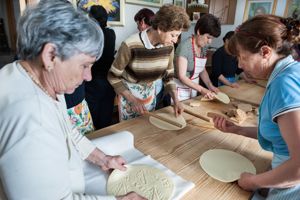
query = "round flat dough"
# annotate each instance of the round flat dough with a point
(224, 165)
(165, 125)
(145, 180)
(222, 97)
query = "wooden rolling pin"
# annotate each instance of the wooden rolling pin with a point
(212, 115)
(189, 110)
(244, 101)
(165, 119)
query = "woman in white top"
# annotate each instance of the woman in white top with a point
(40, 156)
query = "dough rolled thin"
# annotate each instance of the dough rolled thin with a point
(145, 180)
(225, 165)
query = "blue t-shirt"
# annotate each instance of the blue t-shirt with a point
(282, 95)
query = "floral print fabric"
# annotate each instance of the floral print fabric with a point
(145, 92)
(80, 117)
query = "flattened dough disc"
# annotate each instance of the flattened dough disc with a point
(145, 180)
(224, 165)
(165, 125)
(222, 97)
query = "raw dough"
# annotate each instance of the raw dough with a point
(225, 165)
(237, 115)
(165, 125)
(195, 103)
(222, 97)
(245, 107)
(145, 180)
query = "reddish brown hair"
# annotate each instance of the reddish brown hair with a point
(276, 32)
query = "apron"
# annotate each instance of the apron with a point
(81, 118)
(184, 92)
(143, 91)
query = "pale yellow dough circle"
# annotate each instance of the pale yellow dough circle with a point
(225, 165)
(145, 180)
(222, 97)
(165, 125)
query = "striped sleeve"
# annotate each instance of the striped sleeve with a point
(118, 67)
(169, 75)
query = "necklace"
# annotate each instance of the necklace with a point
(35, 79)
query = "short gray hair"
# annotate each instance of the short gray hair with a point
(58, 22)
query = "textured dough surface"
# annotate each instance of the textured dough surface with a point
(145, 180)
(165, 125)
(224, 165)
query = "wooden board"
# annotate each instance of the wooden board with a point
(246, 91)
(180, 150)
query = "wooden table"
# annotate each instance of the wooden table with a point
(180, 150)
(248, 92)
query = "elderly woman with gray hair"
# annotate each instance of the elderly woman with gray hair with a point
(40, 155)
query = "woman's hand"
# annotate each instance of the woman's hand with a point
(224, 125)
(113, 162)
(178, 108)
(246, 182)
(214, 89)
(131, 196)
(207, 93)
(106, 162)
(136, 104)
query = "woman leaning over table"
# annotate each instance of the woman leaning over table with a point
(190, 59)
(145, 57)
(41, 158)
(263, 46)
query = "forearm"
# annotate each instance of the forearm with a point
(250, 132)
(205, 78)
(224, 80)
(97, 157)
(188, 82)
(284, 176)
(91, 197)
(174, 96)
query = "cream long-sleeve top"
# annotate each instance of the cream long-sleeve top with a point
(40, 156)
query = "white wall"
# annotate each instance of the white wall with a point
(130, 26)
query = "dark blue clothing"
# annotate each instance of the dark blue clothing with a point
(225, 64)
(100, 94)
(75, 98)
(102, 66)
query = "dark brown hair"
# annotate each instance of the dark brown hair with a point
(274, 31)
(209, 24)
(171, 18)
(144, 14)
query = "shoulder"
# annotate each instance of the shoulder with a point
(185, 43)
(133, 40)
(109, 31)
(184, 47)
(219, 51)
(284, 90)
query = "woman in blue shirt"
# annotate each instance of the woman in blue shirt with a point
(263, 46)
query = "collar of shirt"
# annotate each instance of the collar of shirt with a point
(280, 66)
(147, 42)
